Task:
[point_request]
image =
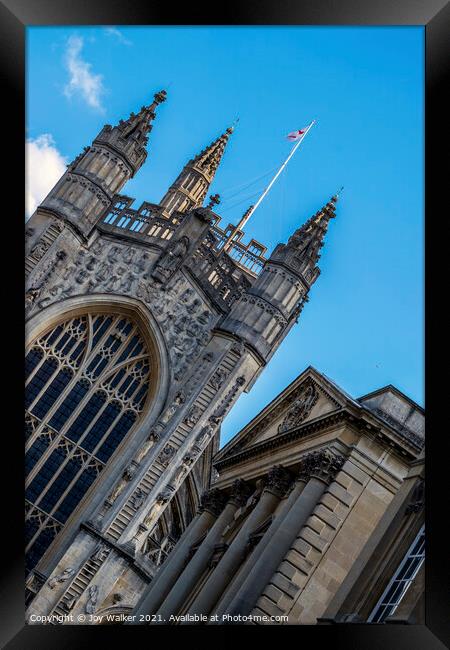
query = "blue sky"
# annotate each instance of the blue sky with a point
(363, 326)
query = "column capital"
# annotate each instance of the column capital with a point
(213, 501)
(240, 492)
(278, 481)
(321, 464)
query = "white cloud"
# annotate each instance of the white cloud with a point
(82, 80)
(44, 167)
(117, 34)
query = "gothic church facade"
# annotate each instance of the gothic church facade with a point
(144, 326)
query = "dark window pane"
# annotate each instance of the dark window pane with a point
(118, 433)
(84, 419)
(39, 380)
(32, 359)
(35, 452)
(77, 492)
(45, 474)
(60, 484)
(100, 427)
(68, 406)
(52, 393)
(39, 547)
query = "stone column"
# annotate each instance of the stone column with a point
(193, 571)
(210, 508)
(278, 481)
(319, 469)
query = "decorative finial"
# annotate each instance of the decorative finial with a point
(232, 127)
(336, 196)
(160, 97)
(214, 200)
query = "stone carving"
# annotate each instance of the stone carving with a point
(166, 455)
(238, 348)
(92, 599)
(193, 416)
(206, 433)
(171, 260)
(40, 249)
(62, 577)
(41, 278)
(300, 409)
(321, 464)
(103, 269)
(178, 400)
(138, 498)
(240, 492)
(417, 498)
(183, 469)
(227, 401)
(218, 378)
(150, 441)
(279, 480)
(127, 475)
(164, 496)
(213, 501)
(214, 476)
(97, 554)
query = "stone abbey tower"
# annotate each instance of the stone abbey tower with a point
(142, 332)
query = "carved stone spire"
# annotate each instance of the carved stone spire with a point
(130, 137)
(192, 185)
(308, 239)
(101, 170)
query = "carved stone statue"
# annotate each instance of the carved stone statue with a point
(138, 499)
(98, 551)
(171, 260)
(193, 416)
(166, 455)
(151, 440)
(92, 599)
(127, 475)
(170, 411)
(218, 378)
(62, 577)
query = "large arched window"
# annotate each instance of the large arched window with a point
(87, 382)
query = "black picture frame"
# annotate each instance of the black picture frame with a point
(15, 16)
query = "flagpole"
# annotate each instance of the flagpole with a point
(252, 209)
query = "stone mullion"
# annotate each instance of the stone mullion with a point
(95, 385)
(39, 364)
(181, 447)
(84, 465)
(41, 528)
(59, 367)
(45, 518)
(111, 427)
(48, 486)
(78, 372)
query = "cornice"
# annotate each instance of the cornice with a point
(396, 441)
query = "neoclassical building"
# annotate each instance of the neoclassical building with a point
(144, 325)
(317, 517)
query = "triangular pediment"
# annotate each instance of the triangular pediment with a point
(309, 397)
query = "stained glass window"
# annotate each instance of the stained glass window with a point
(87, 381)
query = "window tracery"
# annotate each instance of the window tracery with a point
(87, 382)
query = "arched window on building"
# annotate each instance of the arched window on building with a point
(88, 380)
